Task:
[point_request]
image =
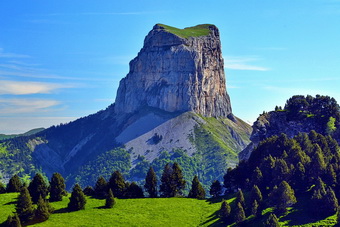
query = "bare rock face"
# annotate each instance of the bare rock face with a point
(176, 74)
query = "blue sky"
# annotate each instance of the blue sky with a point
(61, 60)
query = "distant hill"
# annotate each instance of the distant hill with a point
(30, 132)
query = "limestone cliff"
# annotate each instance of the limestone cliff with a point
(177, 74)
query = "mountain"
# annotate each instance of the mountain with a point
(30, 132)
(172, 106)
(300, 114)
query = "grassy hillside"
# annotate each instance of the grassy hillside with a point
(199, 30)
(155, 212)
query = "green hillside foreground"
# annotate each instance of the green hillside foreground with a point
(153, 212)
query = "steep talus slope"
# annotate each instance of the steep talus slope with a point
(173, 100)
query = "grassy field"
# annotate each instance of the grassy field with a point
(199, 30)
(154, 212)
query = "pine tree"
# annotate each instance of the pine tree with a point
(42, 213)
(197, 191)
(14, 184)
(240, 198)
(286, 196)
(117, 184)
(2, 188)
(255, 194)
(257, 177)
(13, 221)
(38, 187)
(165, 187)
(88, 190)
(101, 187)
(110, 200)
(240, 216)
(225, 211)
(272, 221)
(77, 199)
(134, 191)
(215, 188)
(57, 187)
(330, 202)
(151, 183)
(177, 180)
(254, 208)
(24, 207)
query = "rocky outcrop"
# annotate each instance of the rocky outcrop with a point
(176, 74)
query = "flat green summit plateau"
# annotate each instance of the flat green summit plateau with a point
(195, 31)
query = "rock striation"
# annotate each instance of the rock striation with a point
(177, 74)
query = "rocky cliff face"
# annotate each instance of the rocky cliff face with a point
(176, 74)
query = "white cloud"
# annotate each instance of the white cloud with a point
(19, 106)
(26, 88)
(242, 63)
(11, 55)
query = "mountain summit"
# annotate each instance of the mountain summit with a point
(177, 70)
(171, 106)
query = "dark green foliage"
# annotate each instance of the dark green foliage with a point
(101, 187)
(13, 221)
(14, 184)
(37, 188)
(88, 190)
(57, 188)
(77, 199)
(225, 211)
(110, 200)
(2, 188)
(215, 188)
(257, 177)
(117, 184)
(283, 196)
(240, 198)
(165, 187)
(330, 202)
(240, 216)
(24, 207)
(177, 180)
(254, 208)
(134, 191)
(255, 194)
(151, 183)
(197, 191)
(42, 213)
(272, 221)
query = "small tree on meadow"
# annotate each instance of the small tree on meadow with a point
(13, 221)
(24, 207)
(77, 199)
(240, 216)
(286, 196)
(42, 213)
(225, 211)
(272, 221)
(134, 191)
(14, 184)
(38, 187)
(57, 187)
(110, 200)
(215, 189)
(151, 183)
(117, 184)
(177, 180)
(165, 187)
(197, 191)
(101, 187)
(88, 190)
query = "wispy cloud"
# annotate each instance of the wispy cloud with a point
(106, 13)
(26, 88)
(243, 63)
(19, 106)
(4, 54)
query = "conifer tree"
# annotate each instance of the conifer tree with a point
(254, 208)
(14, 184)
(42, 213)
(272, 221)
(215, 188)
(57, 188)
(286, 196)
(330, 202)
(13, 221)
(117, 184)
(110, 200)
(257, 177)
(165, 187)
(77, 199)
(177, 180)
(151, 183)
(2, 188)
(101, 187)
(38, 187)
(196, 191)
(225, 211)
(24, 207)
(88, 190)
(240, 198)
(255, 194)
(240, 216)
(134, 191)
